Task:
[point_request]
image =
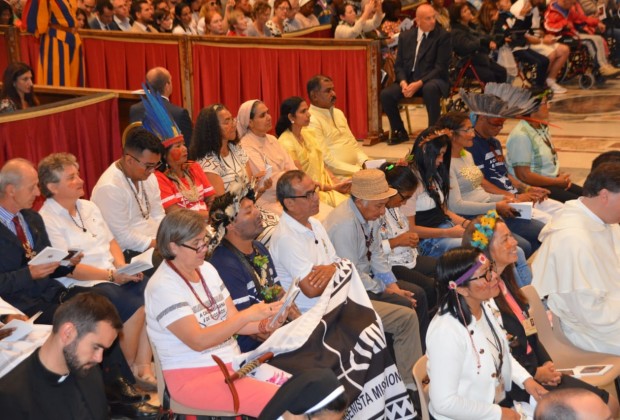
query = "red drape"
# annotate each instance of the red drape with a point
(4, 51)
(116, 64)
(29, 50)
(89, 131)
(232, 75)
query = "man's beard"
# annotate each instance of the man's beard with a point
(71, 359)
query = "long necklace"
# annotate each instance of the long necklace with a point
(368, 239)
(190, 194)
(543, 132)
(394, 215)
(233, 168)
(83, 227)
(497, 344)
(145, 214)
(212, 301)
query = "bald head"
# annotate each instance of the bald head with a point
(160, 80)
(425, 17)
(572, 404)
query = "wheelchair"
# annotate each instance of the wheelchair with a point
(462, 75)
(579, 64)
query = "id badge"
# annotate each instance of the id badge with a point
(500, 393)
(529, 326)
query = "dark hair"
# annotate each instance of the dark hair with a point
(391, 8)
(455, 12)
(103, 4)
(11, 73)
(605, 176)
(178, 11)
(508, 275)
(485, 15)
(217, 210)
(337, 405)
(159, 16)
(85, 310)
(4, 5)
(284, 187)
(400, 177)
(139, 139)
(260, 7)
(424, 158)
(607, 157)
(81, 12)
(314, 83)
(207, 134)
(136, 7)
(450, 266)
(453, 120)
(289, 106)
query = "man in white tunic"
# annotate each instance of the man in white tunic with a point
(578, 264)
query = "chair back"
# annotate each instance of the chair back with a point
(422, 381)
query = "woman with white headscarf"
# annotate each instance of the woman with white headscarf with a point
(265, 153)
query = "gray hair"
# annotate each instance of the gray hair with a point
(178, 227)
(11, 173)
(284, 187)
(51, 168)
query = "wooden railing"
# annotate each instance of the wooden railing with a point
(228, 70)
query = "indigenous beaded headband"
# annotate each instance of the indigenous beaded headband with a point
(484, 230)
(434, 135)
(479, 262)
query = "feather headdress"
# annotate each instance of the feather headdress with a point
(500, 100)
(157, 120)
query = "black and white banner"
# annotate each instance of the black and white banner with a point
(343, 332)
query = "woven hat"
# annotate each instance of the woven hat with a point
(370, 184)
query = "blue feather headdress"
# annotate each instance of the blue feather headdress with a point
(157, 120)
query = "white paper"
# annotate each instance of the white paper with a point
(288, 300)
(138, 264)
(48, 255)
(524, 209)
(22, 329)
(374, 163)
(13, 353)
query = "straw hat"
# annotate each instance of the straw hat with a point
(370, 184)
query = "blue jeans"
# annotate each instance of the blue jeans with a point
(436, 247)
(523, 274)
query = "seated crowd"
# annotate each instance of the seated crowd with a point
(234, 217)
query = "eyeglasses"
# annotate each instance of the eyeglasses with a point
(466, 130)
(404, 197)
(146, 166)
(488, 275)
(198, 250)
(308, 196)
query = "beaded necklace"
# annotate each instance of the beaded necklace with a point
(147, 214)
(212, 301)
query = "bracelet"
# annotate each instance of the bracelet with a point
(463, 223)
(262, 326)
(111, 275)
(527, 188)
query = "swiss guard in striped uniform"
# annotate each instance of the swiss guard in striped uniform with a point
(60, 53)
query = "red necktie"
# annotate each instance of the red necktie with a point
(19, 230)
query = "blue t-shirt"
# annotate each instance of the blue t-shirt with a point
(489, 158)
(240, 283)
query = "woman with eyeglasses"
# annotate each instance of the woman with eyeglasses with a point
(400, 244)
(279, 24)
(301, 145)
(490, 234)
(190, 317)
(469, 362)
(265, 154)
(182, 183)
(76, 224)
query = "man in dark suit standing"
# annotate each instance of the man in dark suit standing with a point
(421, 69)
(161, 82)
(103, 18)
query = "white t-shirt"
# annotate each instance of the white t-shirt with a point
(168, 299)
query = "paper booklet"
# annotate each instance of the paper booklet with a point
(589, 370)
(139, 263)
(288, 299)
(524, 209)
(49, 255)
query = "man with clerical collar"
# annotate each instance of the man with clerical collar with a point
(62, 379)
(243, 263)
(128, 195)
(341, 152)
(301, 248)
